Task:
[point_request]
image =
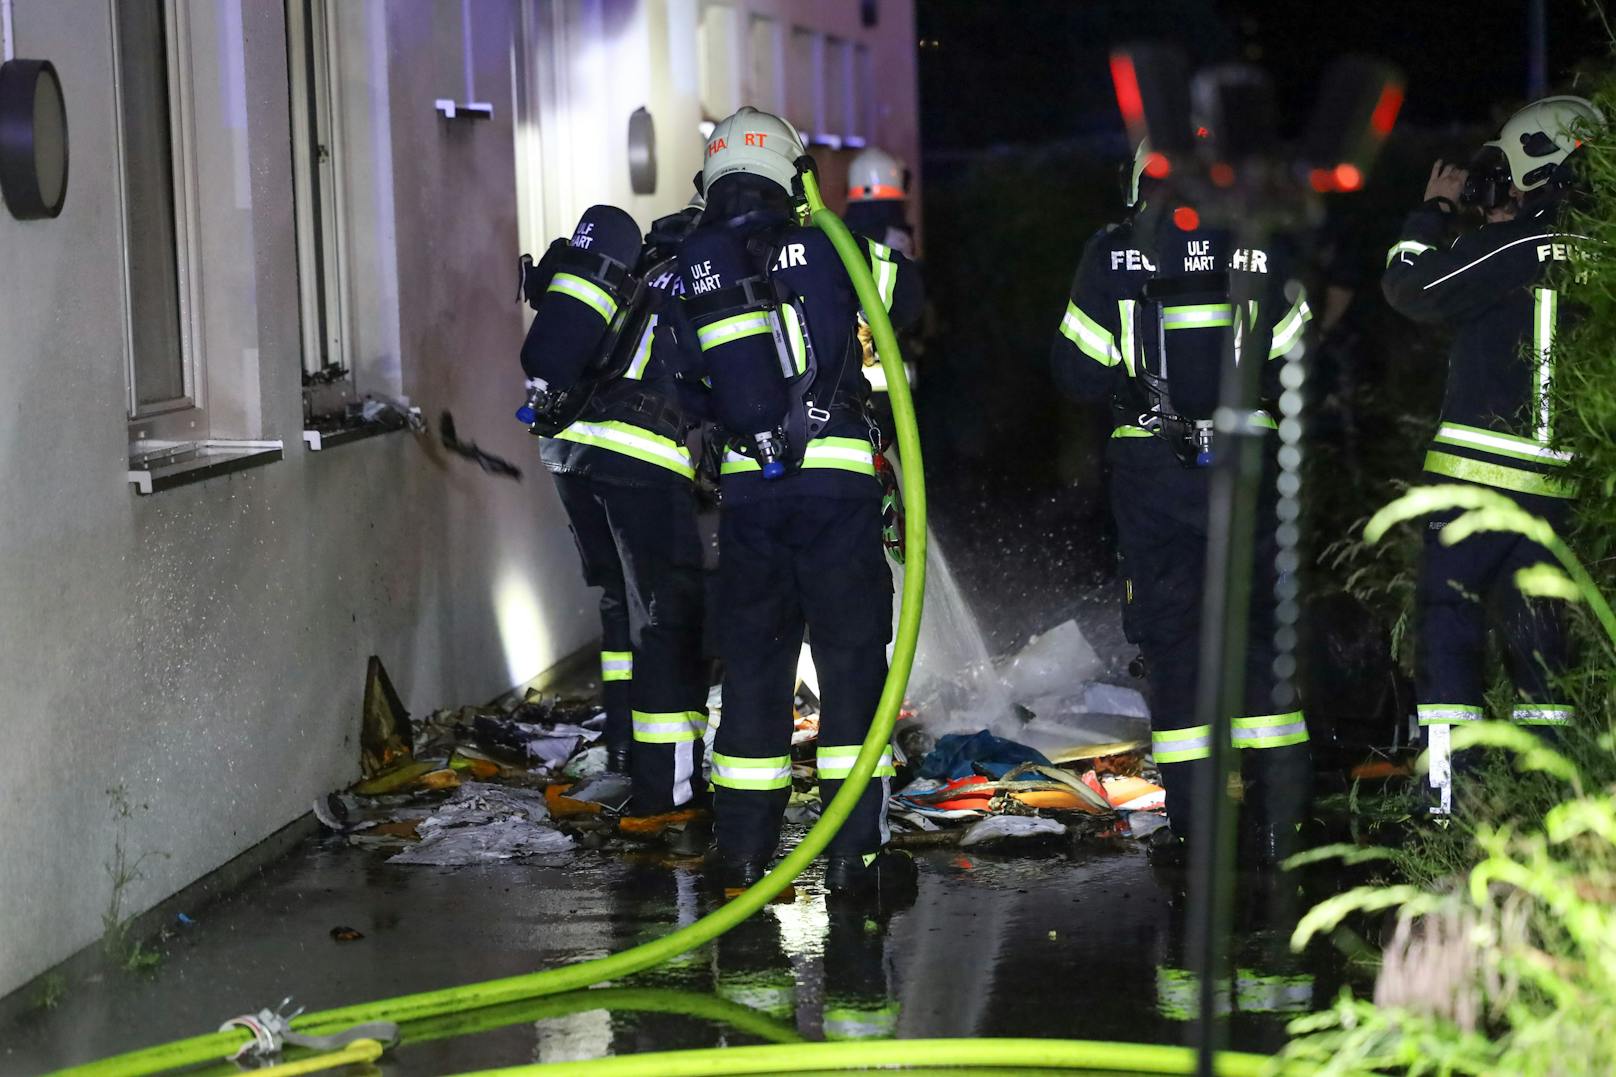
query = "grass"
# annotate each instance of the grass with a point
(123, 871)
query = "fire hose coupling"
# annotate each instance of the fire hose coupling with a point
(271, 1030)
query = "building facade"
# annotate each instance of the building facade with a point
(274, 210)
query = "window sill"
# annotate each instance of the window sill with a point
(162, 465)
(329, 437)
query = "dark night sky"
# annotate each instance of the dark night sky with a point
(1027, 71)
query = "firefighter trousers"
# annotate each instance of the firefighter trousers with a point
(1161, 517)
(785, 566)
(1459, 586)
(639, 545)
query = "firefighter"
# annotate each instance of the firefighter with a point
(625, 477)
(1158, 280)
(1492, 286)
(767, 319)
(878, 210)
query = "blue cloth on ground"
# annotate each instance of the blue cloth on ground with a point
(959, 755)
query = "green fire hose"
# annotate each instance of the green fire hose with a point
(1074, 1054)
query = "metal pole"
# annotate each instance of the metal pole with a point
(1537, 49)
(1231, 529)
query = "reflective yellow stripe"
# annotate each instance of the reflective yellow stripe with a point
(1131, 432)
(1408, 247)
(1181, 745)
(1198, 316)
(837, 454)
(1498, 475)
(885, 272)
(642, 354)
(586, 292)
(837, 762)
(668, 727)
(745, 772)
(752, 323)
(1270, 730)
(1091, 338)
(616, 665)
(1288, 333)
(799, 347)
(1519, 448)
(635, 441)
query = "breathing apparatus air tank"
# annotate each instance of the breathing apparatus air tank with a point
(584, 293)
(741, 327)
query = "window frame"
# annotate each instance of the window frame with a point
(319, 187)
(185, 416)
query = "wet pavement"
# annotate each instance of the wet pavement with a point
(1080, 941)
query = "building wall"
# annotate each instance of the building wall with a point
(202, 649)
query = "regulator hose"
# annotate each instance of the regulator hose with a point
(218, 1045)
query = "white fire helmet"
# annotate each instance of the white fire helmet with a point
(754, 142)
(1542, 135)
(876, 176)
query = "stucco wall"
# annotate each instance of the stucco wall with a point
(204, 647)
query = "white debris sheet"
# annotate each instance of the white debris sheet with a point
(484, 824)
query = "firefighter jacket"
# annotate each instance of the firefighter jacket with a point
(1491, 287)
(634, 431)
(1136, 299)
(840, 461)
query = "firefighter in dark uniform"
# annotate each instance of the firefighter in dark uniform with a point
(625, 477)
(768, 320)
(1153, 282)
(1492, 286)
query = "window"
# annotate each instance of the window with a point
(838, 90)
(767, 64)
(316, 164)
(805, 86)
(720, 61)
(864, 101)
(163, 374)
(180, 75)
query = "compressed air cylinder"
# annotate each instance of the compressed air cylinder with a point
(745, 357)
(578, 306)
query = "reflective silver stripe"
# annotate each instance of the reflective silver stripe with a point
(1409, 247)
(742, 772)
(642, 354)
(586, 292)
(1442, 713)
(1544, 714)
(1289, 331)
(1506, 444)
(1125, 325)
(1546, 303)
(1090, 336)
